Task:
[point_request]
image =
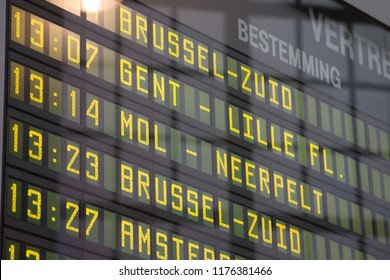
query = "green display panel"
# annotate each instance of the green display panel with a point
(129, 135)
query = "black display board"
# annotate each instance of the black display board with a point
(164, 130)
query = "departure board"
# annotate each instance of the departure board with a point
(194, 130)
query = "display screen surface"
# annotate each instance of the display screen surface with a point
(134, 133)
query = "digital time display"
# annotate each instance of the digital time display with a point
(45, 37)
(130, 135)
(22, 251)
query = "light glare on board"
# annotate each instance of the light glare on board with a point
(91, 5)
